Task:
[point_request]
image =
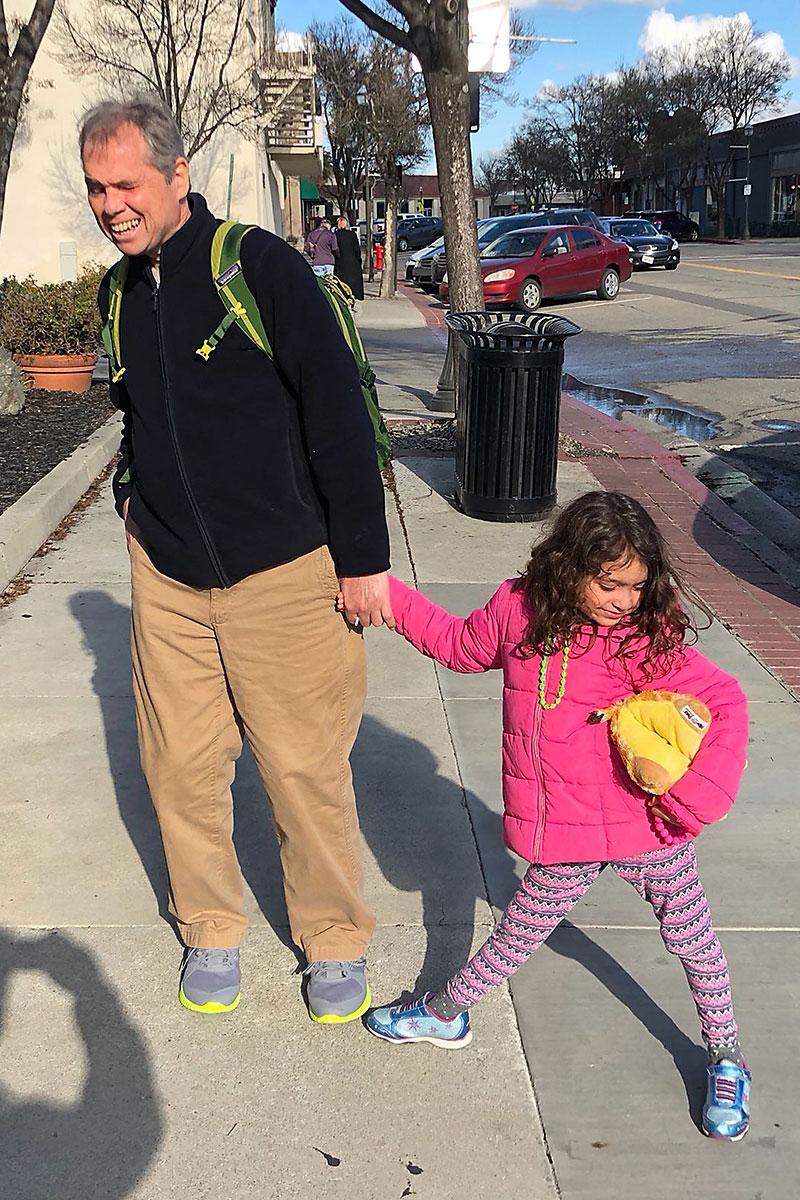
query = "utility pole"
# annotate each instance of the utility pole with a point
(363, 101)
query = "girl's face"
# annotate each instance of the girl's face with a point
(613, 594)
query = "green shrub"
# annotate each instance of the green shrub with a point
(12, 386)
(51, 318)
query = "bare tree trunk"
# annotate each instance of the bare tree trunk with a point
(448, 100)
(14, 71)
(387, 288)
(719, 188)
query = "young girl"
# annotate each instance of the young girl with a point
(594, 617)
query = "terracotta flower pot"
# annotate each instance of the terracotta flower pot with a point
(58, 372)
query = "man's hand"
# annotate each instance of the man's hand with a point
(131, 530)
(364, 599)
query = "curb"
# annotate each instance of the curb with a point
(29, 522)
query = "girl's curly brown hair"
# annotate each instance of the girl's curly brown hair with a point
(597, 529)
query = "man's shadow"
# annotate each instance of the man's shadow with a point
(100, 1147)
(105, 625)
(411, 836)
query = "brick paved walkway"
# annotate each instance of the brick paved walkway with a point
(716, 548)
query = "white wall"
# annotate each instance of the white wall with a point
(48, 230)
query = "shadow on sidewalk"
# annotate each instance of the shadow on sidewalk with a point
(105, 625)
(407, 846)
(101, 1146)
(774, 459)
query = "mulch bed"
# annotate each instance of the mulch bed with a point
(438, 439)
(49, 428)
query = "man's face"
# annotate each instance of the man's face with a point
(133, 204)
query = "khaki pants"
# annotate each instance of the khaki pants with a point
(271, 659)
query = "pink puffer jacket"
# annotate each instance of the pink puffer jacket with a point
(567, 796)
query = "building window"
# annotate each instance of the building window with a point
(784, 198)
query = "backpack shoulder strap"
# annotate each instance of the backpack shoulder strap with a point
(110, 330)
(240, 303)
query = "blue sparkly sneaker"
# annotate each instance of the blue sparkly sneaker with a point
(415, 1022)
(726, 1112)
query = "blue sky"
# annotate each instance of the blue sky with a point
(607, 33)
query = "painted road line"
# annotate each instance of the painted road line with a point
(739, 271)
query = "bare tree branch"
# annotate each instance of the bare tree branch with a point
(393, 33)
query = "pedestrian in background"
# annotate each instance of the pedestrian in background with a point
(322, 248)
(348, 264)
(594, 617)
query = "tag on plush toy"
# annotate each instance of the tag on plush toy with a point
(657, 735)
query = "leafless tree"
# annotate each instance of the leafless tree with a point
(16, 61)
(436, 31)
(398, 127)
(340, 58)
(493, 175)
(581, 114)
(744, 80)
(198, 55)
(538, 163)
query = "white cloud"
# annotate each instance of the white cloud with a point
(664, 31)
(546, 89)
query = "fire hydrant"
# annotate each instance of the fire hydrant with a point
(378, 256)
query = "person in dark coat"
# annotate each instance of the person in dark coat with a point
(348, 264)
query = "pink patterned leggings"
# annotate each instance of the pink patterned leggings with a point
(666, 878)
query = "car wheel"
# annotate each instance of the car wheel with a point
(694, 235)
(402, 245)
(609, 284)
(670, 266)
(530, 295)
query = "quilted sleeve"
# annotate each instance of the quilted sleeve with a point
(464, 644)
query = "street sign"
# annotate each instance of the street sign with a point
(747, 189)
(489, 29)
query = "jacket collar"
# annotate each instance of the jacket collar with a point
(200, 225)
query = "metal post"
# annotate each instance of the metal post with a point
(746, 230)
(230, 189)
(370, 257)
(444, 399)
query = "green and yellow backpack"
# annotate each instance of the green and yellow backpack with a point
(242, 310)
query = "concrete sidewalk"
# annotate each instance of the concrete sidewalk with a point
(584, 1085)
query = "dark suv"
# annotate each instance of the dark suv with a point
(669, 220)
(415, 232)
(491, 228)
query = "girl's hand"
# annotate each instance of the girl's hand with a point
(658, 811)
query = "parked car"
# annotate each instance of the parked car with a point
(526, 266)
(415, 232)
(491, 228)
(669, 220)
(648, 247)
(420, 264)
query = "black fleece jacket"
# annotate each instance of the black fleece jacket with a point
(238, 463)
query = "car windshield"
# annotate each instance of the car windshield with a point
(633, 229)
(515, 245)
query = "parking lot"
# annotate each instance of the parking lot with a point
(721, 335)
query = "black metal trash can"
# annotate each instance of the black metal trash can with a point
(508, 391)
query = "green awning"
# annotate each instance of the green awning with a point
(309, 190)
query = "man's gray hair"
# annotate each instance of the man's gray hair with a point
(150, 115)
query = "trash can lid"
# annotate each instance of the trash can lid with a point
(507, 331)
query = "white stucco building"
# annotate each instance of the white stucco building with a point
(48, 230)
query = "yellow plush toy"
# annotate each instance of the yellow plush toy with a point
(657, 735)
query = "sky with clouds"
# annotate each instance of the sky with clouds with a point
(607, 33)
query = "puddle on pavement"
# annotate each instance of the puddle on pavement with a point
(617, 402)
(778, 426)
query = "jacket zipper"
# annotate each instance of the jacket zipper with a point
(209, 545)
(538, 832)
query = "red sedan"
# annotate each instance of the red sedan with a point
(527, 266)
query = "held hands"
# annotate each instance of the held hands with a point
(364, 600)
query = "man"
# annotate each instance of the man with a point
(322, 248)
(251, 497)
(348, 263)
